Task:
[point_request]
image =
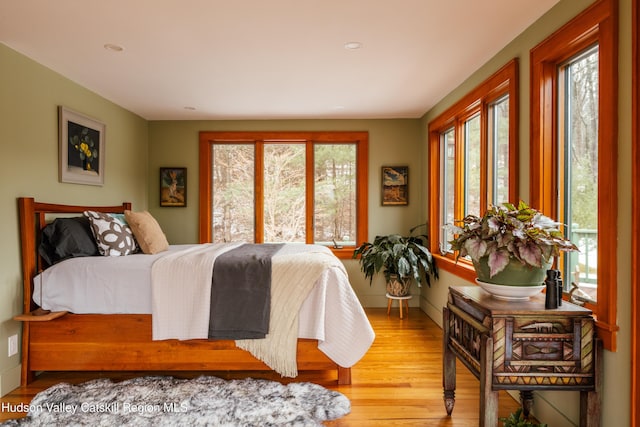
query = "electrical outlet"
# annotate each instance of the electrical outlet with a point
(13, 345)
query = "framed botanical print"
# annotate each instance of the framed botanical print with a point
(81, 145)
(395, 185)
(173, 187)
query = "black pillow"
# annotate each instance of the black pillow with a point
(67, 238)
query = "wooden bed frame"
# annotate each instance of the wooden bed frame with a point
(121, 342)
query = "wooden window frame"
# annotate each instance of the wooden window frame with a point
(502, 82)
(635, 220)
(596, 24)
(361, 139)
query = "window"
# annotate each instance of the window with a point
(473, 159)
(574, 151)
(447, 187)
(472, 176)
(284, 187)
(635, 214)
(498, 167)
(578, 167)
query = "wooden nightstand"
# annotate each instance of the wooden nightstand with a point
(518, 345)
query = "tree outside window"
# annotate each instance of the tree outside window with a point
(284, 187)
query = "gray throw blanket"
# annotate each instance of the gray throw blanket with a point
(241, 292)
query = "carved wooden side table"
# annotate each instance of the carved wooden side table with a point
(518, 345)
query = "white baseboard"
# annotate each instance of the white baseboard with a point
(435, 313)
(10, 380)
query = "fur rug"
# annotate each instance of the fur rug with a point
(167, 401)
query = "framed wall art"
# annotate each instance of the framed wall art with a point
(81, 145)
(173, 187)
(395, 185)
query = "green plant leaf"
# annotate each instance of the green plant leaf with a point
(475, 247)
(497, 262)
(531, 254)
(396, 254)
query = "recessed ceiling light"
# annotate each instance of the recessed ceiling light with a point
(352, 45)
(113, 47)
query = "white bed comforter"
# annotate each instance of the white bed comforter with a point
(331, 313)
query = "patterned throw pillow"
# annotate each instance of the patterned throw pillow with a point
(113, 236)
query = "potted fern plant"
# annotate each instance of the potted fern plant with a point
(402, 259)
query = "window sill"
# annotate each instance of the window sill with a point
(608, 334)
(460, 268)
(343, 253)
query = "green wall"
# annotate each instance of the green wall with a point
(29, 97)
(561, 409)
(135, 149)
(391, 142)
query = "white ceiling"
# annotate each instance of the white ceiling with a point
(266, 59)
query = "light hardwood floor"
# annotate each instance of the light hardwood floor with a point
(398, 382)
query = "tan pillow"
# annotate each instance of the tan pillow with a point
(147, 232)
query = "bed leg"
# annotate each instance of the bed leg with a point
(26, 375)
(344, 376)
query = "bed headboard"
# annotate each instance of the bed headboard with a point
(33, 218)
